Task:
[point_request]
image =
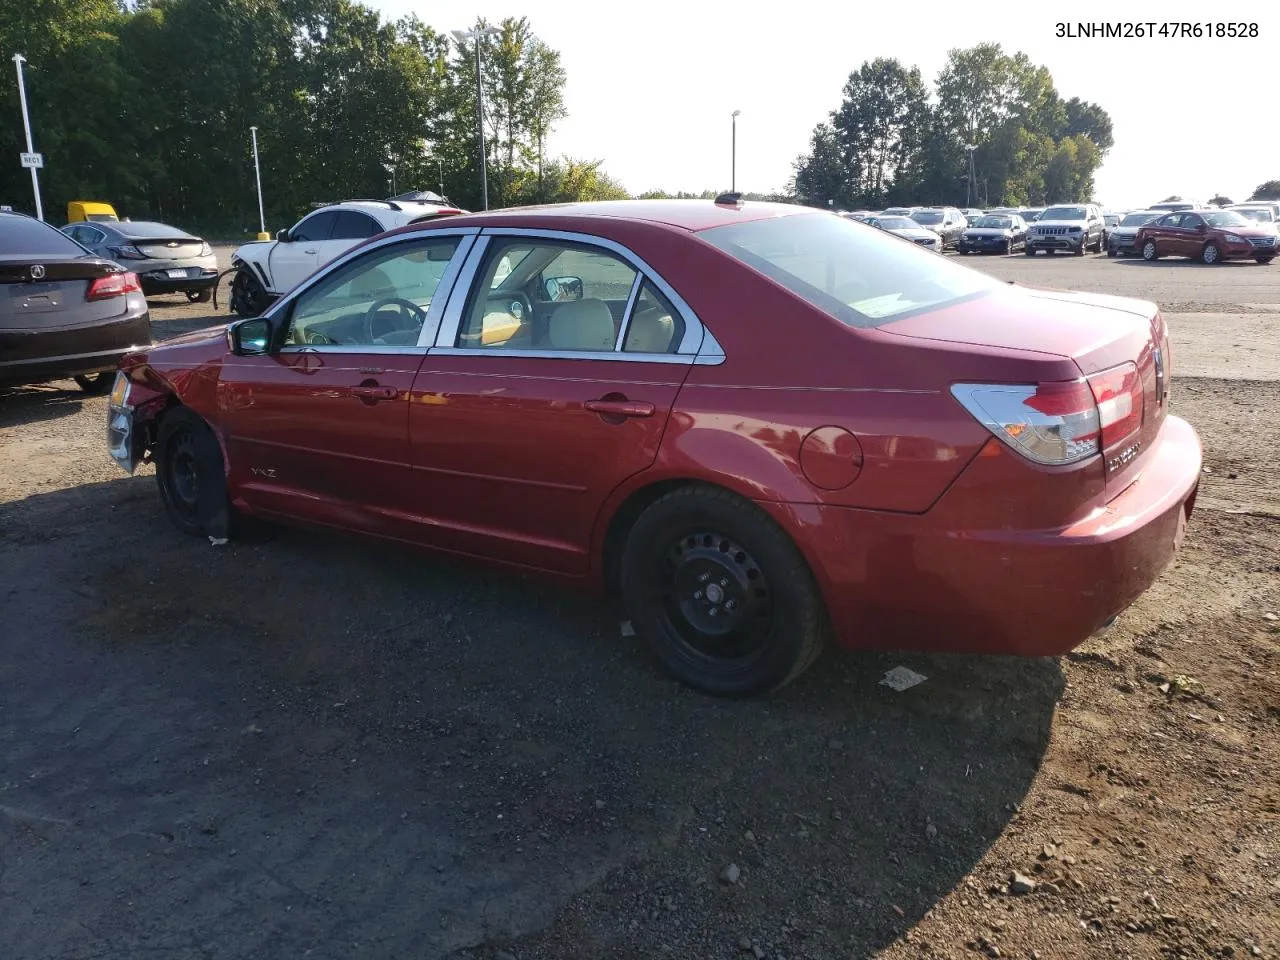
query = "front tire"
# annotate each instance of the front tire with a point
(191, 475)
(721, 594)
(1210, 254)
(248, 295)
(1149, 252)
(1263, 260)
(1029, 251)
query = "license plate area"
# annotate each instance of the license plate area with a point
(177, 274)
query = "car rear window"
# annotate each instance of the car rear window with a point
(862, 276)
(24, 237)
(147, 229)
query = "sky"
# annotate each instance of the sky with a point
(651, 86)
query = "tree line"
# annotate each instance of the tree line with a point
(149, 105)
(893, 140)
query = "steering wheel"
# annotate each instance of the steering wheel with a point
(407, 308)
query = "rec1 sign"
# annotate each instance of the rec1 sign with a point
(34, 161)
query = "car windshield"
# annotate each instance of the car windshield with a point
(1226, 218)
(1137, 219)
(927, 216)
(861, 277)
(1065, 213)
(896, 223)
(1001, 223)
(23, 237)
(1257, 215)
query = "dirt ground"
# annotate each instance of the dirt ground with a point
(304, 746)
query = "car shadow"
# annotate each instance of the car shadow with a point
(341, 741)
(37, 402)
(1170, 262)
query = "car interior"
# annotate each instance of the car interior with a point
(527, 300)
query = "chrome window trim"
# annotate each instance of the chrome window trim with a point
(680, 359)
(280, 308)
(372, 349)
(691, 349)
(625, 325)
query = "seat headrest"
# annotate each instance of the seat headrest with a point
(582, 325)
(650, 331)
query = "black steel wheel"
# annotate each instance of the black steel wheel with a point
(721, 594)
(190, 474)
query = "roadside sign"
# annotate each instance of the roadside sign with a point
(33, 160)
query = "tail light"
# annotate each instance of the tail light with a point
(113, 285)
(1060, 422)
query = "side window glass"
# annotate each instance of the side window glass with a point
(655, 326)
(314, 228)
(378, 300)
(352, 225)
(1170, 221)
(1191, 221)
(549, 295)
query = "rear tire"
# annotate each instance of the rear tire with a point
(96, 383)
(721, 594)
(191, 475)
(200, 296)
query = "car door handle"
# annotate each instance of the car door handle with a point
(620, 408)
(374, 392)
(308, 251)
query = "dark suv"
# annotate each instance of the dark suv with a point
(1075, 228)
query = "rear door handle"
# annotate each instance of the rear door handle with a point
(620, 408)
(374, 392)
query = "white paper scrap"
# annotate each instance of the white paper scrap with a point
(627, 629)
(902, 678)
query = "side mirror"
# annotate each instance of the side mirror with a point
(562, 288)
(249, 338)
(282, 236)
(1201, 228)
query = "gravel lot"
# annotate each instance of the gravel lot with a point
(303, 746)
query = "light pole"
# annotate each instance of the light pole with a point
(18, 61)
(257, 179)
(733, 154)
(968, 190)
(462, 36)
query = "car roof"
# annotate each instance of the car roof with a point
(691, 215)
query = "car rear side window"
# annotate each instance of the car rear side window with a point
(861, 276)
(24, 237)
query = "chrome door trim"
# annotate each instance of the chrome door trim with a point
(625, 325)
(447, 332)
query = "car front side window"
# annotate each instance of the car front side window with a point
(314, 228)
(381, 299)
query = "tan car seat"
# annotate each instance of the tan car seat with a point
(650, 331)
(582, 325)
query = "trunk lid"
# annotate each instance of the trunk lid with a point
(57, 298)
(171, 248)
(1095, 331)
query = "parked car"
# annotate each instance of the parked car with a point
(924, 458)
(908, 229)
(971, 214)
(1074, 228)
(1122, 239)
(166, 259)
(1031, 214)
(1209, 236)
(898, 211)
(1272, 208)
(63, 312)
(1172, 206)
(994, 233)
(858, 214)
(1109, 222)
(267, 268)
(947, 222)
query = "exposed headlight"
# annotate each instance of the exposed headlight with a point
(1076, 229)
(1232, 238)
(120, 390)
(206, 250)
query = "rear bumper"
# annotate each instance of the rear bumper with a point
(34, 356)
(159, 281)
(917, 582)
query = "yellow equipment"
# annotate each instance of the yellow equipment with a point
(81, 210)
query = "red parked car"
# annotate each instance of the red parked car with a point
(1209, 236)
(761, 425)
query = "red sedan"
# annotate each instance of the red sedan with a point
(1210, 236)
(763, 426)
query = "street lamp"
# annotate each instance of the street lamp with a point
(968, 190)
(733, 154)
(18, 61)
(462, 36)
(257, 177)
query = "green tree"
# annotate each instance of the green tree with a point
(821, 176)
(1172, 198)
(879, 126)
(1267, 191)
(545, 102)
(1221, 201)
